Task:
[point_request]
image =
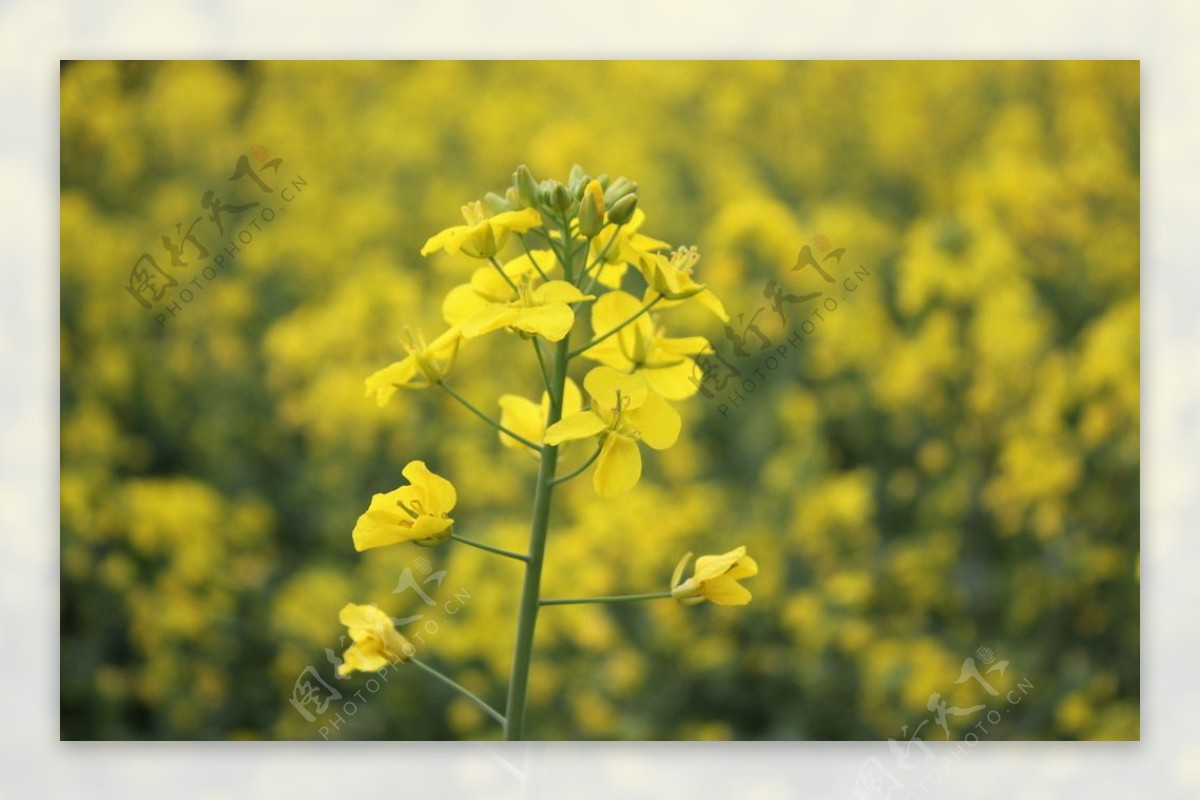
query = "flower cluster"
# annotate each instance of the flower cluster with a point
(582, 254)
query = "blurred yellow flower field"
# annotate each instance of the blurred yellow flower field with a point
(900, 370)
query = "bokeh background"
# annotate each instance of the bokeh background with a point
(949, 463)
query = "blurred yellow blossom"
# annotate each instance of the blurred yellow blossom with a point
(376, 643)
(715, 579)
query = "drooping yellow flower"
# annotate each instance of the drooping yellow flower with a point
(623, 412)
(488, 287)
(524, 417)
(375, 641)
(418, 512)
(618, 247)
(715, 579)
(482, 236)
(640, 347)
(541, 310)
(672, 278)
(425, 365)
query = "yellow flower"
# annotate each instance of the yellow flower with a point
(418, 512)
(425, 365)
(672, 278)
(623, 411)
(524, 417)
(376, 643)
(541, 310)
(640, 347)
(482, 236)
(617, 247)
(488, 287)
(715, 579)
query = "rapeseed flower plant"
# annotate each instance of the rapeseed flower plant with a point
(589, 232)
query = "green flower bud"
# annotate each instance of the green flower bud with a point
(576, 180)
(526, 187)
(618, 189)
(561, 200)
(591, 209)
(497, 204)
(622, 211)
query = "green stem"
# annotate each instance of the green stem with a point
(599, 259)
(616, 328)
(607, 599)
(483, 546)
(532, 260)
(539, 527)
(447, 680)
(502, 429)
(542, 364)
(577, 470)
(503, 274)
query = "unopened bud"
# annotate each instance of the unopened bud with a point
(591, 209)
(497, 204)
(621, 212)
(526, 187)
(618, 189)
(576, 180)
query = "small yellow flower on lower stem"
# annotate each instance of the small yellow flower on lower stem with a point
(482, 236)
(376, 643)
(524, 417)
(425, 365)
(623, 412)
(416, 513)
(715, 579)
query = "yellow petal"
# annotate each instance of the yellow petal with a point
(683, 346)
(523, 417)
(612, 309)
(708, 567)
(362, 616)
(440, 493)
(744, 568)
(559, 292)
(724, 591)
(369, 533)
(527, 263)
(618, 467)
(384, 382)
(430, 527)
(604, 383)
(519, 221)
(487, 282)
(580, 425)
(492, 318)
(611, 275)
(462, 302)
(552, 320)
(656, 422)
(572, 399)
(441, 239)
(711, 302)
(676, 382)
